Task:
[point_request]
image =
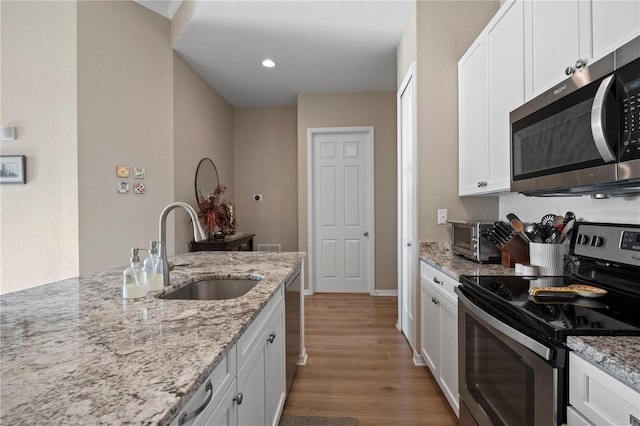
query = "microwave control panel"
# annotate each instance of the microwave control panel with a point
(629, 96)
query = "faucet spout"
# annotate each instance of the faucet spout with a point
(198, 233)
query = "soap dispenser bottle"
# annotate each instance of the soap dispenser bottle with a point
(135, 281)
(153, 268)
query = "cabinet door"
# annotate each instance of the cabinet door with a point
(275, 387)
(251, 386)
(599, 397)
(430, 327)
(473, 143)
(555, 41)
(506, 90)
(449, 352)
(226, 413)
(614, 23)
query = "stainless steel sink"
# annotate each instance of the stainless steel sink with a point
(216, 289)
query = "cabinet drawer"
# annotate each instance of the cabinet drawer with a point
(442, 281)
(599, 397)
(250, 338)
(220, 380)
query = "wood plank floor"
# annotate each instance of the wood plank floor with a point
(360, 366)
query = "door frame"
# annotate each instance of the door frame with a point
(409, 76)
(311, 132)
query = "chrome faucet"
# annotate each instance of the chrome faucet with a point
(198, 233)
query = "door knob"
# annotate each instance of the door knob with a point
(408, 244)
(366, 233)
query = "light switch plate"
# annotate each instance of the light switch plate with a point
(442, 216)
(9, 133)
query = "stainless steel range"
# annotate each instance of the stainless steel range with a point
(512, 353)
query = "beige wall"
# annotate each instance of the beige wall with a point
(265, 162)
(407, 48)
(377, 109)
(445, 29)
(39, 220)
(203, 127)
(125, 116)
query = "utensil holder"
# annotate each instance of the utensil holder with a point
(516, 250)
(549, 258)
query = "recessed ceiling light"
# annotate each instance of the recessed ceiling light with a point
(268, 63)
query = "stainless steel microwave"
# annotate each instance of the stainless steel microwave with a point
(583, 135)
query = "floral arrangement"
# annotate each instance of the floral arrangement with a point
(216, 213)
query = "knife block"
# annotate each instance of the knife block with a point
(516, 250)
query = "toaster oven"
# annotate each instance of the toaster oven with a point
(467, 241)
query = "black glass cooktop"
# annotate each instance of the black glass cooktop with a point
(552, 318)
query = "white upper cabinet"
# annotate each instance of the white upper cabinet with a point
(473, 116)
(613, 24)
(560, 33)
(524, 51)
(491, 84)
(506, 90)
(553, 42)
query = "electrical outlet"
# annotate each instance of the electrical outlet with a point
(442, 216)
(257, 197)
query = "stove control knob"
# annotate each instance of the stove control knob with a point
(583, 239)
(597, 242)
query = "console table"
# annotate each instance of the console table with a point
(235, 242)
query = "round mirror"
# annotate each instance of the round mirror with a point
(206, 179)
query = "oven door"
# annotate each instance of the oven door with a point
(506, 377)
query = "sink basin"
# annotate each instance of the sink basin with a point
(216, 289)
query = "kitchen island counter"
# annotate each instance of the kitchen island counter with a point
(619, 356)
(440, 256)
(75, 352)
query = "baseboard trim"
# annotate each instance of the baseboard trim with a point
(302, 358)
(385, 293)
(308, 292)
(418, 361)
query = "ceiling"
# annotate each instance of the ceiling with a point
(319, 46)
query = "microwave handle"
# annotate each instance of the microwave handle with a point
(597, 120)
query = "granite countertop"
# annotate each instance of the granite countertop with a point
(617, 355)
(439, 255)
(75, 352)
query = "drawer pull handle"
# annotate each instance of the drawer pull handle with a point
(272, 337)
(437, 281)
(238, 398)
(187, 417)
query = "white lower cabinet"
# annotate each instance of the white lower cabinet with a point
(275, 368)
(204, 402)
(598, 398)
(439, 330)
(248, 386)
(261, 380)
(226, 414)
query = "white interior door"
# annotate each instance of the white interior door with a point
(407, 207)
(342, 209)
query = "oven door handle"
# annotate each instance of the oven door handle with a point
(597, 121)
(523, 339)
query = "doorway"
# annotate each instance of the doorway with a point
(407, 207)
(341, 209)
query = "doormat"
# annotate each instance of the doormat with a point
(318, 421)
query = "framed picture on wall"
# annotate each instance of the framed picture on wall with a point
(13, 169)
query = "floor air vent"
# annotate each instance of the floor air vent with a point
(269, 247)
